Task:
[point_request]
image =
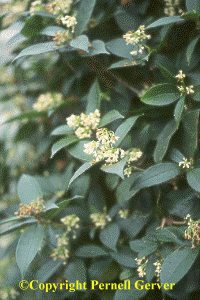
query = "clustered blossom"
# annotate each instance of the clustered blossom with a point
(61, 37)
(100, 219)
(36, 206)
(158, 265)
(48, 101)
(85, 123)
(193, 231)
(60, 7)
(7, 293)
(185, 163)
(36, 6)
(182, 88)
(142, 263)
(133, 156)
(137, 38)
(62, 251)
(69, 22)
(123, 213)
(171, 7)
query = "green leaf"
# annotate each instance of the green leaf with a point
(84, 14)
(163, 140)
(133, 293)
(124, 128)
(143, 248)
(134, 224)
(177, 264)
(62, 130)
(109, 236)
(165, 21)
(47, 270)
(123, 64)
(76, 270)
(161, 94)
(190, 132)
(11, 219)
(191, 48)
(33, 26)
(90, 251)
(63, 143)
(123, 192)
(28, 246)
(156, 174)
(125, 258)
(179, 110)
(28, 189)
(116, 168)
(193, 179)
(196, 95)
(27, 115)
(80, 171)
(97, 47)
(150, 267)
(176, 155)
(94, 98)
(17, 226)
(76, 150)
(81, 42)
(166, 73)
(193, 5)
(110, 117)
(120, 48)
(167, 235)
(37, 49)
(51, 30)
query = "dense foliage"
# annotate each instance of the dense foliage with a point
(100, 158)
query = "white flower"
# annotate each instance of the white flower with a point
(69, 21)
(185, 163)
(133, 52)
(180, 75)
(189, 89)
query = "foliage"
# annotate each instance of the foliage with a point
(99, 137)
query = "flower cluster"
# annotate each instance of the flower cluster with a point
(137, 38)
(36, 6)
(171, 7)
(193, 231)
(182, 88)
(36, 206)
(72, 223)
(185, 163)
(100, 219)
(62, 251)
(59, 8)
(7, 293)
(85, 123)
(69, 22)
(133, 156)
(48, 101)
(123, 213)
(61, 37)
(142, 263)
(158, 265)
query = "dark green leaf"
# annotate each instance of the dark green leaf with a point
(110, 117)
(125, 258)
(193, 178)
(18, 225)
(28, 246)
(90, 251)
(109, 236)
(51, 30)
(179, 110)
(76, 150)
(97, 47)
(123, 63)
(166, 73)
(165, 21)
(47, 270)
(161, 94)
(33, 26)
(124, 128)
(94, 98)
(133, 293)
(176, 155)
(191, 48)
(84, 14)
(76, 270)
(62, 130)
(27, 115)
(163, 140)
(80, 171)
(28, 189)
(156, 174)
(150, 267)
(196, 95)
(193, 5)
(123, 192)
(116, 168)
(190, 132)
(120, 48)
(81, 42)
(63, 143)
(177, 264)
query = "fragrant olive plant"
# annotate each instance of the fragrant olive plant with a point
(100, 157)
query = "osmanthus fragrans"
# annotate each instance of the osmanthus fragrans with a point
(107, 94)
